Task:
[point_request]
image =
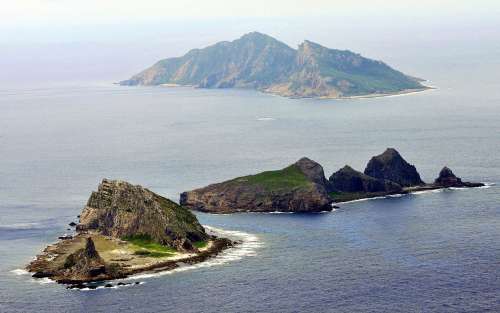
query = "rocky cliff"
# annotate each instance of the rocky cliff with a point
(300, 187)
(447, 179)
(119, 209)
(390, 165)
(349, 180)
(261, 62)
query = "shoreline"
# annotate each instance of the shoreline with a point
(40, 268)
(406, 191)
(263, 91)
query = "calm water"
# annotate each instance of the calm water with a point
(432, 252)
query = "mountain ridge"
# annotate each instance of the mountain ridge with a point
(258, 61)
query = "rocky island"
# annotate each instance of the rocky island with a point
(258, 61)
(126, 229)
(302, 186)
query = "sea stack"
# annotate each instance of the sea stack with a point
(300, 187)
(348, 179)
(447, 179)
(390, 165)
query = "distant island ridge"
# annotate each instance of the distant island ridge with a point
(258, 61)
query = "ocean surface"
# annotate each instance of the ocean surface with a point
(427, 252)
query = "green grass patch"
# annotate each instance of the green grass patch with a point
(144, 245)
(287, 178)
(200, 244)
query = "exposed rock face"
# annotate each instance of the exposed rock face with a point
(301, 187)
(261, 62)
(84, 263)
(349, 180)
(313, 171)
(119, 209)
(391, 166)
(448, 179)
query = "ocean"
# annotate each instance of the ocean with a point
(428, 252)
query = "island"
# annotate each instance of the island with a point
(126, 229)
(302, 187)
(258, 61)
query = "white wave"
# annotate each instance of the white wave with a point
(266, 119)
(43, 281)
(247, 248)
(20, 271)
(278, 212)
(422, 192)
(364, 199)
(487, 185)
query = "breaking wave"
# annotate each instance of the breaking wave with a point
(247, 248)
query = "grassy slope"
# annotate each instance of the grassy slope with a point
(288, 178)
(143, 245)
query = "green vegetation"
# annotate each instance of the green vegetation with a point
(145, 246)
(200, 244)
(287, 178)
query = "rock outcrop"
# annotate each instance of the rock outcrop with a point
(390, 165)
(261, 62)
(119, 209)
(349, 180)
(300, 187)
(84, 264)
(447, 179)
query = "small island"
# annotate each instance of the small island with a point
(302, 187)
(258, 61)
(126, 229)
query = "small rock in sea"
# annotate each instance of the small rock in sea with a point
(92, 287)
(78, 216)
(72, 224)
(137, 282)
(77, 286)
(335, 206)
(121, 284)
(108, 286)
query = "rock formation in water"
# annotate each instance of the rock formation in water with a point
(447, 179)
(120, 210)
(261, 62)
(391, 166)
(349, 180)
(300, 187)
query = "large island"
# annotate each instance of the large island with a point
(126, 229)
(258, 61)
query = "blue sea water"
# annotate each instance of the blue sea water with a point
(427, 252)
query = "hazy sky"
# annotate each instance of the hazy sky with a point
(110, 39)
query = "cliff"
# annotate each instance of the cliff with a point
(390, 165)
(122, 210)
(258, 61)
